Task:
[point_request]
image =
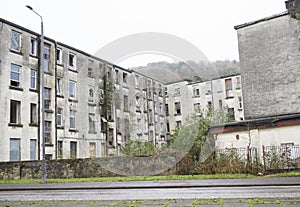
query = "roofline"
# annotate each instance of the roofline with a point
(25, 29)
(60, 43)
(261, 20)
(261, 123)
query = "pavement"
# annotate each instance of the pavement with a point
(282, 181)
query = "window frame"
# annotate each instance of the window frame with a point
(33, 79)
(72, 89)
(59, 117)
(18, 75)
(19, 41)
(33, 47)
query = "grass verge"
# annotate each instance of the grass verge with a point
(149, 178)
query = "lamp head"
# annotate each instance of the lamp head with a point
(29, 7)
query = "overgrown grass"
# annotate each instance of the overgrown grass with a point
(149, 178)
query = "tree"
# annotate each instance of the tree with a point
(194, 137)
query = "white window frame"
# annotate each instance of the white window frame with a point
(59, 56)
(196, 90)
(92, 122)
(33, 47)
(48, 129)
(72, 64)
(46, 58)
(208, 87)
(176, 90)
(72, 89)
(18, 41)
(72, 119)
(91, 96)
(33, 78)
(59, 86)
(59, 117)
(91, 70)
(47, 98)
(33, 113)
(17, 113)
(15, 69)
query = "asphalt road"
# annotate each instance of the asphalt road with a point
(221, 192)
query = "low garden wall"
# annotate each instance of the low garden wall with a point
(164, 164)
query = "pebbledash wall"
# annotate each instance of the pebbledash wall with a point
(270, 59)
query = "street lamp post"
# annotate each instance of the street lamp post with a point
(43, 95)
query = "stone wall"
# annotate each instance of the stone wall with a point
(270, 59)
(163, 164)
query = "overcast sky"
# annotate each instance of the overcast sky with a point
(91, 24)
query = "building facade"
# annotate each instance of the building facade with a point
(91, 107)
(269, 61)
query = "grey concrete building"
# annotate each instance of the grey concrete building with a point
(269, 59)
(92, 107)
(187, 97)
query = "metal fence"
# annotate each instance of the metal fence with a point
(285, 157)
(273, 158)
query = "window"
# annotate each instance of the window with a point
(59, 117)
(139, 125)
(72, 119)
(240, 102)
(160, 90)
(33, 113)
(33, 47)
(160, 108)
(125, 79)
(166, 91)
(15, 149)
(137, 81)
(176, 90)
(59, 56)
(46, 58)
(137, 103)
(126, 103)
(72, 89)
(15, 43)
(15, 112)
(15, 75)
(91, 69)
(238, 82)
(209, 104)
(110, 137)
(167, 109)
(47, 98)
(177, 108)
(178, 124)
(219, 86)
(92, 149)
(117, 77)
(220, 104)
(59, 86)
(208, 87)
(48, 132)
(92, 120)
(196, 90)
(32, 149)
(72, 61)
(33, 79)
(73, 150)
(231, 114)
(91, 94)
(197, 107)
(228, 86)
(59, 149)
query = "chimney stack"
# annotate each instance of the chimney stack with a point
(293, 6)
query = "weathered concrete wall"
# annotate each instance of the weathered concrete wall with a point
(270, 59)
(163, 164)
